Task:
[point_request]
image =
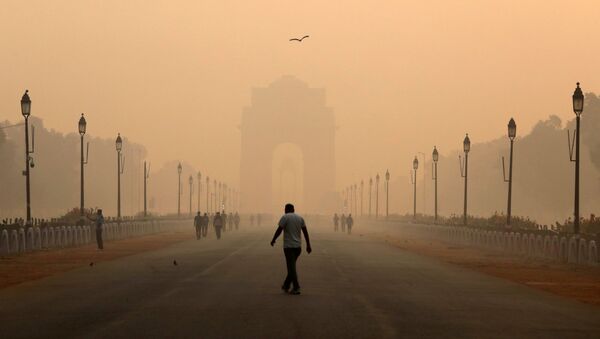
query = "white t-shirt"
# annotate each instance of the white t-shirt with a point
(292, 225)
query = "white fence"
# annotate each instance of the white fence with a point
(569, 249)
(15, 241)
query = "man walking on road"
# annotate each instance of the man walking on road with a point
(205, 225)
(198, 225)
(291, 224)
(349, 223)
(218, 224)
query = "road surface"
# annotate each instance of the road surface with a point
(351, 287)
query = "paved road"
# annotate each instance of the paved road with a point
(352, 287)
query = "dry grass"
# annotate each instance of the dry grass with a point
(576, 282)
(36, 265)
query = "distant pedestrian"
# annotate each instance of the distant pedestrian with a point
(218, 224)
(343, 222)
(236, 220)
(205, 225)
(336, 221)
(349, 223)
(224, 217)
(99, 223)
(230, 221)
(291, 225)
(198, 225)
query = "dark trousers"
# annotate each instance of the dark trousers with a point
(291, 255)
(204, 230)
(218, 231)
(198, 231)
(99, 239)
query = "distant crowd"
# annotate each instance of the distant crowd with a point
(346, 222)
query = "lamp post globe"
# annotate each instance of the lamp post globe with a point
(179, 168)
(387, 175)
(415, 164)
(512, 129)
(467, 144)
(577, 100)
(119, 143)
(82, 125)
(435, 155)
(26, 104)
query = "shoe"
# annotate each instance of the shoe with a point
(295, 292)
(285, 290)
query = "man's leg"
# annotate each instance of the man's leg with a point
(296, 254)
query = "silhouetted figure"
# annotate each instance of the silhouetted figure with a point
(230, 221)
(224, 217)
(349, 222)
(198, 225)
(343, 222)
(218, 224)
(99, 223)
(236, 220)
(205, 225)
(336, 221)
(291, 224)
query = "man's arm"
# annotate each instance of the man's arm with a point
(276, 235)
(305, 232)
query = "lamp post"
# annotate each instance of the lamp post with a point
(577, 109)
(191, 182)
(179, 169)
(355, 203)
(415, 167)
(120, 167)
(435, 157)
(464, 172)
(362, 188)
(512, 133)
(370, 193)
(377, 196)
(82, 129)
(26, 111)
(146, 176)
(207, 194)
(199, 188)
(387, 193)
(215, 207)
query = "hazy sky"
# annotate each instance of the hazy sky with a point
(400, 75)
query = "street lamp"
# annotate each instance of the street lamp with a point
(191, 181)
(377, 196)
(362, 188)
(435, 157)
(146, 176)
(120, 167)
(577, 109)
(179, 169)
(207, 194)
(355, 204)
(512, 133)
(26, 111)
(82, 129)
(370, 191)
(387, 193)
(415, 167)
(199, 188)
(464, 170)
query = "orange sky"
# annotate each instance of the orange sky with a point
(400, 75)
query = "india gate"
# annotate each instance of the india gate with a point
(287, 149)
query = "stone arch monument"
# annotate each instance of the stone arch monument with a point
(288, 111)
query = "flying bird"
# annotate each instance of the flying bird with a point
(299, 40)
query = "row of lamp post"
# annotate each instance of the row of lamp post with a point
(574, 151)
